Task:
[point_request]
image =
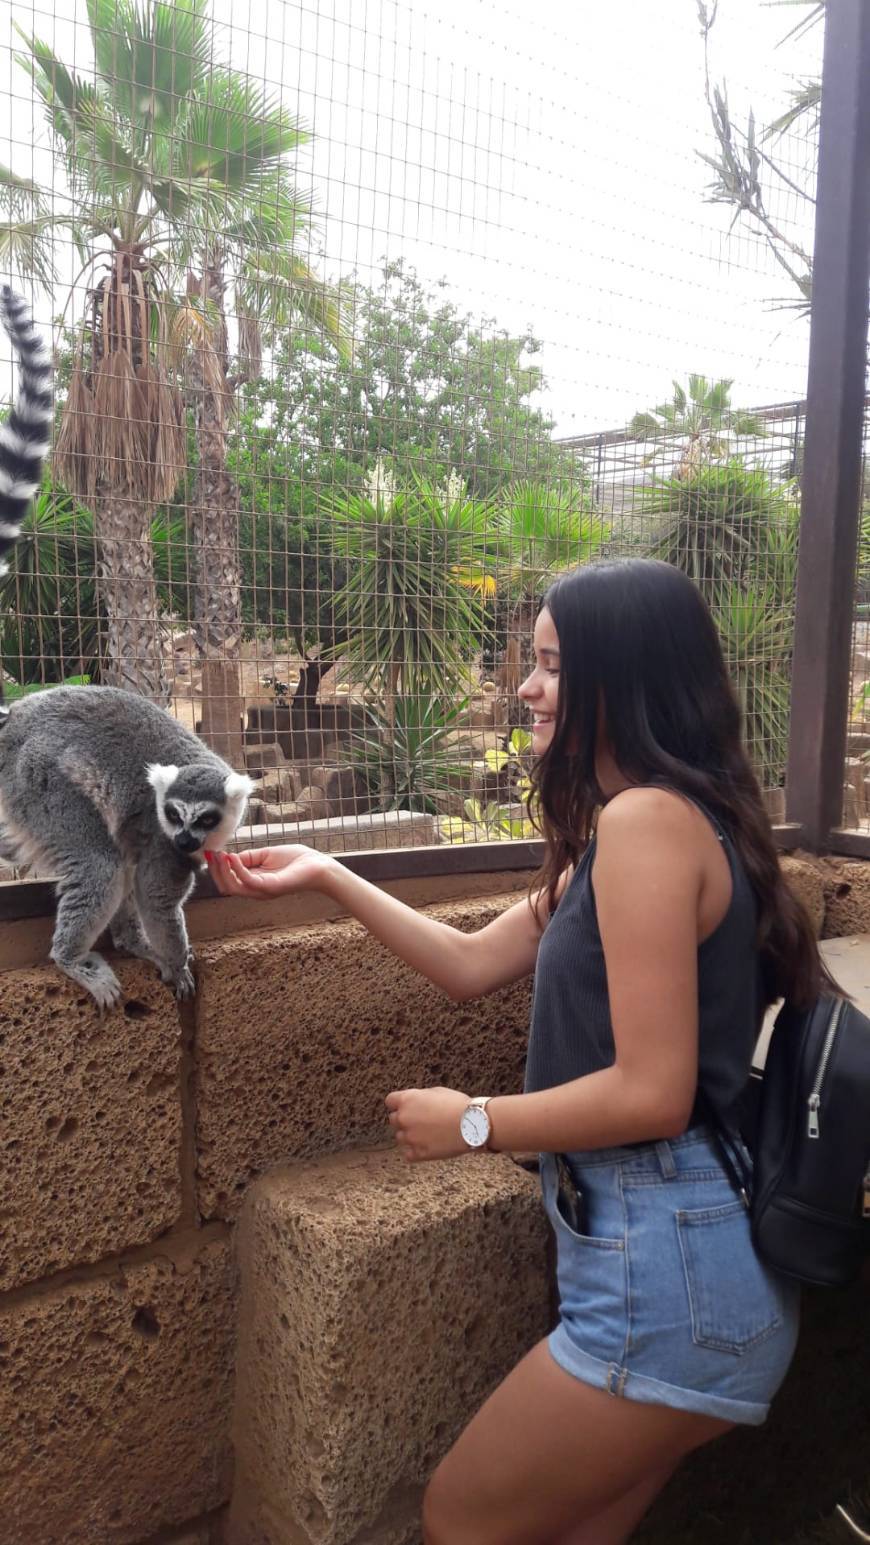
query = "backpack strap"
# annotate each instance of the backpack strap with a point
(733, 1158)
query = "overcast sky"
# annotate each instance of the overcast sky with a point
(540, 157)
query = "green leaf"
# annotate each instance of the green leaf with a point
(232, 132)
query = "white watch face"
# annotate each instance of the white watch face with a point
(474, 1126)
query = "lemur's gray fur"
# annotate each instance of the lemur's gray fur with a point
(101, 787)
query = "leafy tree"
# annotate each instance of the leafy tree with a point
(425, 389)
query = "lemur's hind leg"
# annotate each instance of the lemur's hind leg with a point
(161, 889)
(127, 931)
(91, 891)
(90, 884)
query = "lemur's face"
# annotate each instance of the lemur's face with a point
(193, 820)
(190, 826)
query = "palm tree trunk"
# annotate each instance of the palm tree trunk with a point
(517, 662)
(215, 530)
(129, 595)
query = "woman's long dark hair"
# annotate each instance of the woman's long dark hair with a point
(638, 643)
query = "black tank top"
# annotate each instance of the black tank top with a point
(571, 1030)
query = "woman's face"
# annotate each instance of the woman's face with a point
(540, 690)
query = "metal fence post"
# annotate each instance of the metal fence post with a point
(831, 480)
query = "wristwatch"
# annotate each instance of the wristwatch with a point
(475, 1127)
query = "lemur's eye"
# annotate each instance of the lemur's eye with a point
(172, 815)
(209, 821)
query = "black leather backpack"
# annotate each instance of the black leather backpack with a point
(806, 1123)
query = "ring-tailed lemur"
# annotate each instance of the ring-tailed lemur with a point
(101, 787)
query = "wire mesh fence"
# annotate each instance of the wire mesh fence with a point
(341, 297)
(856, 790)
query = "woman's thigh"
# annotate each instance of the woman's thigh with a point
(547, 1452)
(615, 1523)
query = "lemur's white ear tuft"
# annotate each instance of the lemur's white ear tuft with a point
(161, 777)
(238, 786)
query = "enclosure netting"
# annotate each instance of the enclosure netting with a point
(369, 321)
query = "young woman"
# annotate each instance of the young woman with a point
(660, 930)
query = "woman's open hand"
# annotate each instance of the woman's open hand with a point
(269, 872)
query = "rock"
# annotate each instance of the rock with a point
(313, 803)
(281, 785)
(259, 758)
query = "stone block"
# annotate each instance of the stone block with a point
(90, 1117)
(380, 1303)
(343, 788)
(115, 1398)
(280, 785)
(805, 880)
(264, 758)
(304, 1031)
(847, 896)
(313, 801)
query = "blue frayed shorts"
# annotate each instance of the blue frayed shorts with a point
(662, 1296)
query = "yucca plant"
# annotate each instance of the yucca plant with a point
(727, 523)
(756, 629)
(735, 533)
(410, 613)
(538, 528)
(172, 161)
(408, 760)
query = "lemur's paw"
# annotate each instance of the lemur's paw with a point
(98, 978)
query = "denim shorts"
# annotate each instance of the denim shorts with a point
(662, 1295)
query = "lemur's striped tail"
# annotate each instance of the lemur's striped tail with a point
(26, 433)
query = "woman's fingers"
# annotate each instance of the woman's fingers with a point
(231, 877)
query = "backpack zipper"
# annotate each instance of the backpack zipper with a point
(815, 1099)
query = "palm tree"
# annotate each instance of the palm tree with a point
(702, 418)
(171, 162)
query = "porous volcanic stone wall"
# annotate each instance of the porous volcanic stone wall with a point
(128, 1145)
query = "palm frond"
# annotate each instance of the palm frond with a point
(232, 132)
(82, 123)
(278, 288)
(21, 196)
(27, 249)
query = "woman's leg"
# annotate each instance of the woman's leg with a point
(615, 1524)
(547, 1453)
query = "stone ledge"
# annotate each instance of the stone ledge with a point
(344, 834)
(380, 1303)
